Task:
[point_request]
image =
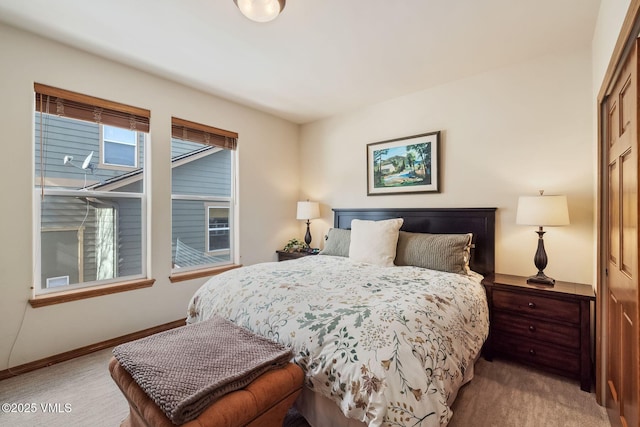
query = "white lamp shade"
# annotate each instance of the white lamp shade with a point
(308, 210)
(542, 211)
(260, 10)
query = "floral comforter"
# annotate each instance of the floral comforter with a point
(390, 345)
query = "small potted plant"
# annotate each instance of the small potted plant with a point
(295, 245)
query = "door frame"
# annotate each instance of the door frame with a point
(628, 33)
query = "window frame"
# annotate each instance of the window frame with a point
(205, 135)
(85, 108)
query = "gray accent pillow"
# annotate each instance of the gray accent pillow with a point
(442, 252)
(337, 242)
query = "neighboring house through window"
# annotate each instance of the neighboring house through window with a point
(203, 195)
(119, 147)
(218, 228)
(91, 223)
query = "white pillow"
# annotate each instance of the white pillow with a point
(374, 242)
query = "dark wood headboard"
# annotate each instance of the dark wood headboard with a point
(479, 221)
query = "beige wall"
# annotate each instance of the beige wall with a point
(268, 191)
(610, 18)
(505, 133)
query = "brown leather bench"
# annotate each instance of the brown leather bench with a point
(263, 403)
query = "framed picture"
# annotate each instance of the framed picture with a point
(403, 165)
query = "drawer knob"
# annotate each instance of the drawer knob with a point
(532, 305)
(532, 328)
(532, 352)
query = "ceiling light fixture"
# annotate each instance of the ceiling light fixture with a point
(260, 10)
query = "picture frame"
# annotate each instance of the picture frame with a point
(404, 165)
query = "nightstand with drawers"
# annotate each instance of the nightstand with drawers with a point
(285, 256)
(541, 326)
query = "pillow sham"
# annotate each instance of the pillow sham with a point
(442, 252)
(336, 242)
(374, 242)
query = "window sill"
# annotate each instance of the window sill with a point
(95, 291)
(205, 272)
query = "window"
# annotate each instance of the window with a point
(119, 146)
(218, 228)
(90, 226)
(203, 195)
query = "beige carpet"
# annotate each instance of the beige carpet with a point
(83, 383)
(81, 393)
(505, 394)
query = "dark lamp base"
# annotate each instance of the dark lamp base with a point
(541, 279)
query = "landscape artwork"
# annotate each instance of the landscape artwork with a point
(403, 165)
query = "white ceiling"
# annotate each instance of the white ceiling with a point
(320, 57)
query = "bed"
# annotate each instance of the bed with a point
(380, 344)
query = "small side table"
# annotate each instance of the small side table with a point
(285, 256)
(541, 326)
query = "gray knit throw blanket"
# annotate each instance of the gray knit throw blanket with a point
(184, 370)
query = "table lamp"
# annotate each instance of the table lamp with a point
(308, 210)
(543, 211)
